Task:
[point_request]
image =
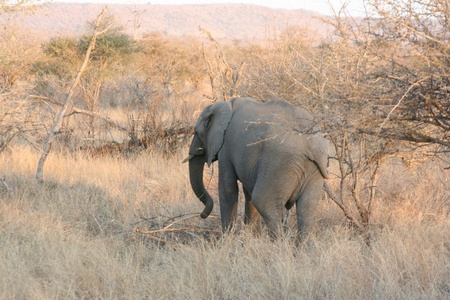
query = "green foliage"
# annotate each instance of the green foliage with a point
(61, 47)
(64, 54)
(108, 47)
(61, 59)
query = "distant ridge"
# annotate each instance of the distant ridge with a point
(224, 21)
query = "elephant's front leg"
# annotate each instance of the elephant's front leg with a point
(228, 197)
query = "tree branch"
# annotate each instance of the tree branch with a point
(83, 112)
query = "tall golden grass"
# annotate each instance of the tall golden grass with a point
(72, 237)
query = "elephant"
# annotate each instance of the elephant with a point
(275, 149)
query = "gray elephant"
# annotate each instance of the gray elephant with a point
(274, 149)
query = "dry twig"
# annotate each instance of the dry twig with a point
(172, 235)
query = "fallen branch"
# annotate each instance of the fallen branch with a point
(216, 228)
(174, 234)
(179, 220)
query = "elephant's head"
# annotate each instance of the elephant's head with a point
(208, 139)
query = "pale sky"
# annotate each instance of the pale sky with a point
(355, 7)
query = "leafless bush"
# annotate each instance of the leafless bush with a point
(170, 64)
(151, 126)
(406, 46)
(224, 76)
(390, 92)
(18, 118)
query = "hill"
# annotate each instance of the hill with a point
(224, 21)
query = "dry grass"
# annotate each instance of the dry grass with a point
(72, 237)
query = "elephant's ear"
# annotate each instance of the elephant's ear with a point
(211, 127)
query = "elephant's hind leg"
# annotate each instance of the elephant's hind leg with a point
(252, 216)
(306, 205)
(269, 203)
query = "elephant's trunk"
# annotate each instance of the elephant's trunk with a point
(196, 166)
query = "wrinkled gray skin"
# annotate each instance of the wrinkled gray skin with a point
(274, 149)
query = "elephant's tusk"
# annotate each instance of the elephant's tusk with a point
(188, 158)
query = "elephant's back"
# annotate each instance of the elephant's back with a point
(258, 131)
(259, 121)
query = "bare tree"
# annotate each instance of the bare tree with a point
(66, 103)
(137, 20)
